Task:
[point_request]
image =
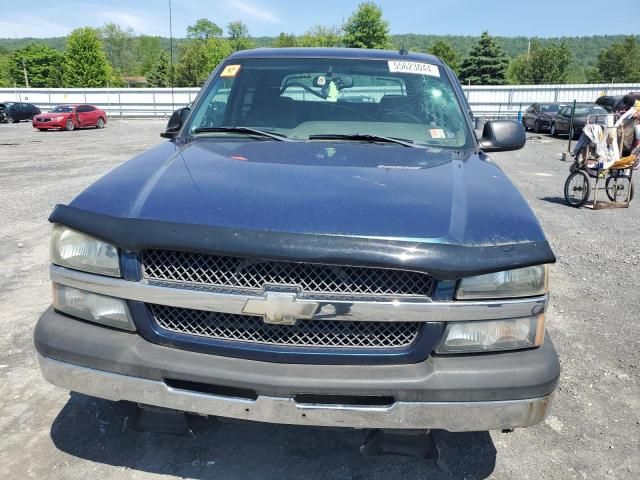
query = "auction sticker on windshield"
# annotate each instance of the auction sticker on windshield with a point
(414, 67)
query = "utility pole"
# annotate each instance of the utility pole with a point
(26, 77)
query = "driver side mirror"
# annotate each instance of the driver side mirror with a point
(175, 122)
(502, 136)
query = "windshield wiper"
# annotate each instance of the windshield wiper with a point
(364, 137)
(247, 130)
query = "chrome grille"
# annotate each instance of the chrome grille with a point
(254, 274)
(307, 333)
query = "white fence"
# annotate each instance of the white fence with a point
(490, 101)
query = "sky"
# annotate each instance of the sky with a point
(542, 18)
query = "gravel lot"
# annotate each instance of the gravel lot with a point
(593, 430)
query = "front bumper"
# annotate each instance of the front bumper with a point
(457, 393)
(48, 125)
(452, 416)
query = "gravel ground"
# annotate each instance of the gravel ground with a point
(593, 430)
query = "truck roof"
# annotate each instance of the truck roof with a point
(344, 53)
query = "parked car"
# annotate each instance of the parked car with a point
(70, 117)
(611, 104)
(17, 111)
(561, 124)
(295, 257)
(539, 116)
(629, 101)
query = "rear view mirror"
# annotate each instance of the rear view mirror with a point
(502, 136)
(175, 122)
(340, 82)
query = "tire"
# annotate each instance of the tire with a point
(100, 123)
(524, 124)
(618, 187)
(69, 126)
(9, 119)
(536, 126)
(577, 189)
(42, 129)
(553, 131)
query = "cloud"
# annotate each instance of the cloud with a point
(123, 19)
(255, 12)
(38, 26)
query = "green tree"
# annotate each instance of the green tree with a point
(285, 40)
(541, 65)
(486, 63)
(85, 63)
(239, 36)
(147, 50)
(203, 29)
(5, 81)
(619, 63)
(446, 53)
(366, 28)
(160, 74)
(321, 36)
(118, 44)
(198, 58)
(42, 63)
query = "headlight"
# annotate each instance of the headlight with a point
(73, 249)
(494, 335)
(110, 311)
(521, 282)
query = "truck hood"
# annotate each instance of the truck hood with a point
(322, 188)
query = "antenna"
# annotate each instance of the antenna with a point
(403, 51)
(173, 104)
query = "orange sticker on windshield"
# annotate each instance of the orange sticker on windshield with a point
(230, 71)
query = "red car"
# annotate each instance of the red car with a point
(70, 117)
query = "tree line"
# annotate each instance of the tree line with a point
(114, 56)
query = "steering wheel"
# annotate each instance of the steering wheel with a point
(304, 87)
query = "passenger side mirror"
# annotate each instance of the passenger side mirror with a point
(175, 122)
(502, 136)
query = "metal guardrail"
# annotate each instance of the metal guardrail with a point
(487, 101)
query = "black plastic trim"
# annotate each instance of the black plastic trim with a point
(443, 261)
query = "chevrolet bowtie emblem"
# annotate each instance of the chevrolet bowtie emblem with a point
(280, 308)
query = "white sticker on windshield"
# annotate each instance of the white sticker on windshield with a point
(414, 67)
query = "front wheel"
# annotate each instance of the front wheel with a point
(42, 129)
(619, 188)
(100, 123)
(536, 126)
(9, 119)
(69, 126)
(554, 132)
(577, 189)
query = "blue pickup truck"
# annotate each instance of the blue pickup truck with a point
(322, 241)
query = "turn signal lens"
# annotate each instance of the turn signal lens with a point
(494, 335)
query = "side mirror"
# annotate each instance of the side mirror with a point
(502, 136)
(175, 122)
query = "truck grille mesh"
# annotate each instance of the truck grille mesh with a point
(254, 274)
(307, 333)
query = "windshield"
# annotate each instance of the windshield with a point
(305, 98)
(552, 108)
(62, 109)
(589, 110)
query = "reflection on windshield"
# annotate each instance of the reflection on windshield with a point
(304, 98)
(62, 109)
